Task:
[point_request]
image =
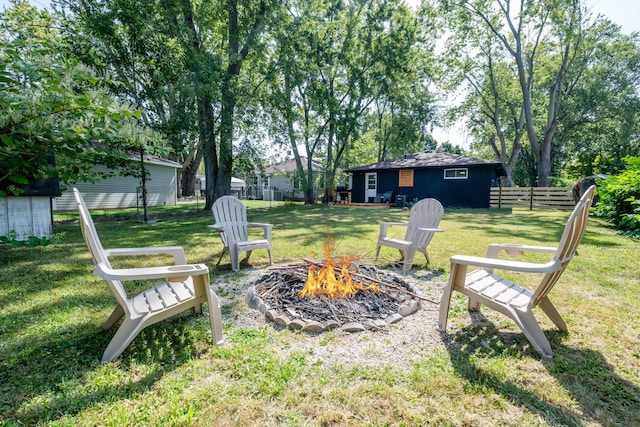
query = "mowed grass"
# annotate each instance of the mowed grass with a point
(483, 373)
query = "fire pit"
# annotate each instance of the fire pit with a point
(319, 296)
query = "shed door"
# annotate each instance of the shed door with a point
(371, 187)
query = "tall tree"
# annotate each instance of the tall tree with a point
(493, 104)
(144, 44)
(182, 62)
(245, 22)
(334, 59)
(530, 31)
(601, 117)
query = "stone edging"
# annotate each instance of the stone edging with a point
(295, 322)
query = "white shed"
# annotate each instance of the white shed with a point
(237, 187)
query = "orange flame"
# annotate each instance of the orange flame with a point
(333, 280)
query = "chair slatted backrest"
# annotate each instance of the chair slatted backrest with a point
(427, 213)
(95, 248)
(230, 212)
(567, 248)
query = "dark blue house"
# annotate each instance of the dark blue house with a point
(456, 181)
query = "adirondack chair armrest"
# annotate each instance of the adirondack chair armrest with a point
(494, 249)
(384, 226)
(170, 273)
(266, 227)
(176, 251)
(218, 228)
(430, 230)
(503, 264)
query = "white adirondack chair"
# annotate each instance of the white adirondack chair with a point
(424, 219)
(484, 287)
(231, 222)
(187, 286)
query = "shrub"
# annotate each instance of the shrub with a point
(620, 198)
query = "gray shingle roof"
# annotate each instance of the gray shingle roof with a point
(426, 159)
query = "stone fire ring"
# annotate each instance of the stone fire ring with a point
(297, 323)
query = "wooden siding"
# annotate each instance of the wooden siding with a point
(532, 197)
(429, 182)
(121, 191)
(26, 216)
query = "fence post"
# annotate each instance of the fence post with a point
(500, 197)
(531, 199)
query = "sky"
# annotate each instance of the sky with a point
(625, 13)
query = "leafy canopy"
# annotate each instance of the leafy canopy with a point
(52, 107)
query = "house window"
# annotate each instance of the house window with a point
(457, 173)
(406, 178)
(371, 181)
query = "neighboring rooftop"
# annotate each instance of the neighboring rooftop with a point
(289, 166)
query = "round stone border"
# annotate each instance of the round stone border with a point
(296, 322)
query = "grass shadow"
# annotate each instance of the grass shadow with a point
(37, 376)
(596, 392)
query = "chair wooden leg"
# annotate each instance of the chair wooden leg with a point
(201, 285)
(116, 315)
(123, 337)
(221, 255)
(197, 309)
(457, 278)
(408, 259)
(531, 329)
(445, 302)
(235, 259)
(474, 304)
(550, 310)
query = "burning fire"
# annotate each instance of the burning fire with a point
(333, 279)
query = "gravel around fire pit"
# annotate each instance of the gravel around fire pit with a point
(397, 344)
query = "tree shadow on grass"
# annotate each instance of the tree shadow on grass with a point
(601, 395)
(59, 374)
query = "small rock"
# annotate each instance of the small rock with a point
(331, 324)
(394, 318)
(353, 327)
(282, 320)
(404, 310)
(262, 307)
(252, 299)
(409, 308)
(380, 324)
(296, 324)
(271, 315)
(314, 327)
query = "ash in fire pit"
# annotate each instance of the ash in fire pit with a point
(278, 295)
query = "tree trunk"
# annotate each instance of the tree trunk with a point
(188, 175)
(209, 149)
(225, 165)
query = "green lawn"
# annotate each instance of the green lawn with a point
(51, 308)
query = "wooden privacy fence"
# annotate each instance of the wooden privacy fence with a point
(532, 197)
